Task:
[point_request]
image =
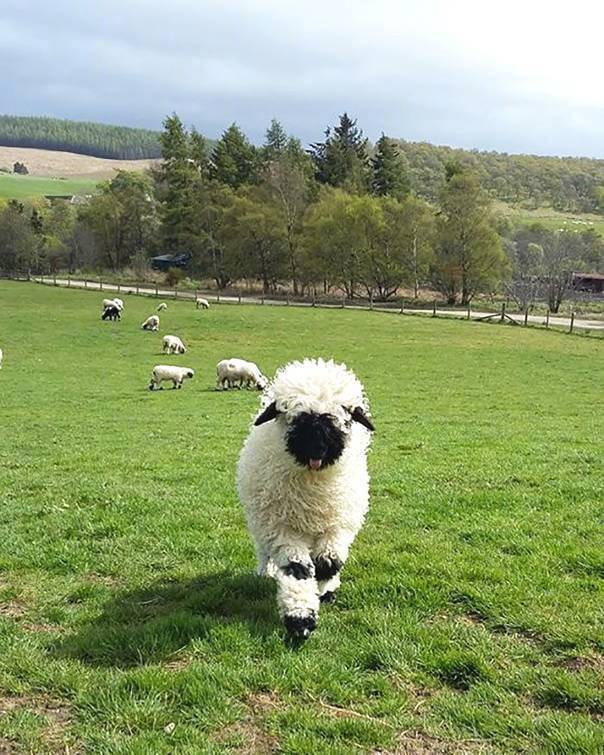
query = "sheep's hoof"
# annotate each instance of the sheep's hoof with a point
(326, 566)
(328, 597)
(298, 570)
(300, 627)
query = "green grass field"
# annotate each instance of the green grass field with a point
(552, 219)
(25, 187)
(470, 615)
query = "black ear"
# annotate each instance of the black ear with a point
(269, 413)
(359, 415)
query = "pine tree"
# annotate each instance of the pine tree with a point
(390, 176)
(275, 141)
(234, 159)
(342, 159)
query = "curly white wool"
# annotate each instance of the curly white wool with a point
(151, 323)
(201, 302)
(239, 373)
(161, 306)
(169, 372)
(173, 345)
(296, 514)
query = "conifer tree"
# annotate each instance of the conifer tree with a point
(342, 160)
(390, 176)
(234, 159)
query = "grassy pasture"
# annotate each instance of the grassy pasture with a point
(470, 615)
(25, 187)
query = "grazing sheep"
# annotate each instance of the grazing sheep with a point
(203, 303)
(303, 481)
(111, 313)
(119, 303)
(237, 373)
(163, 372)
(161, 306)
(1, 356)
(151, 323)
(173, 345)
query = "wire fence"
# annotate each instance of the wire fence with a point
(570, 324)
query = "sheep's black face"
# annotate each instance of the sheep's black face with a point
(314, 440)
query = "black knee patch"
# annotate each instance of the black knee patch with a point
(300, 627)
(328, 597)
(297, 570)
(326, 567)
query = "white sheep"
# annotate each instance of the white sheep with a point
(303, 481)
(238, 373)
(113, 303)
(151, 323)
(161, 306)
(163, 372)
(173, 345)
(203, 303)
(1, 357)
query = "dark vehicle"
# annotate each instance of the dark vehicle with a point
(165, 261)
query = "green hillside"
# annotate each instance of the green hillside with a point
(23, 187)
(82, 137)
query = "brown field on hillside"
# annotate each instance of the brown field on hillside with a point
(45, 162)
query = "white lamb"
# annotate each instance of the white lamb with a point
(119, 303)
(303, 481)
(151, 323)
(173, 345)
(238, 373)
(163, 372)
(161, 306)
(203, 303)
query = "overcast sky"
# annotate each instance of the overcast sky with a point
(510, 76)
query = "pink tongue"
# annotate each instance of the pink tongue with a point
(315, 463)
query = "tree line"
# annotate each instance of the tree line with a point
(340, 217)
(85, 138)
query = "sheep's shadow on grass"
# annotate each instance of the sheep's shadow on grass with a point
(152, 624)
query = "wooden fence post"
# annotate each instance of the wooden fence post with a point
(118, 287)
(238, 297)
(85, 283)
(572, 322)
(137, 289)
(175, 292)
(526, 317)
(218, 297)
(469, 311)
(156, 290)
(100, 284)
(287, 298)
(434, 308)
(314, 298)
(402, 312)
(371, 300)
(55, 279)
(68, 280)
(547, 319)
(343, 301)
(502, 318)
(262, 299)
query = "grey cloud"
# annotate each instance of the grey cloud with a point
(214, 62)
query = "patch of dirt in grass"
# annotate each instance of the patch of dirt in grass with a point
(248, 736)
(56, 714)
(420, 743)
(103, 579)
(583, 663)
(12, 609)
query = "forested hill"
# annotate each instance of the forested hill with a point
(575, 184)
(82, 137)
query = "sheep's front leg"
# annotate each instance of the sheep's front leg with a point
(297, 591)
(329, 556)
